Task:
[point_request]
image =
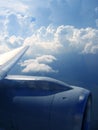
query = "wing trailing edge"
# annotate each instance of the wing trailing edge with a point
(9, 59)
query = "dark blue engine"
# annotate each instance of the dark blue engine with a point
(40, 103)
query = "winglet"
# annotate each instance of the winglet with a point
(9, 59)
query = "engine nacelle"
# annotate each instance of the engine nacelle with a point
(37, 103)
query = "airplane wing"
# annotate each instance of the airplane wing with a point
(9, 59)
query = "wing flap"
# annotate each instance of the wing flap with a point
(9, 59)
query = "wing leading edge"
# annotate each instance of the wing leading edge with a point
(9, 59)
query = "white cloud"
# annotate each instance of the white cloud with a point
(36, 67)
(43, 40)
(15, 6)
(8, 43)
(15, 18)
(21, 24)
(87, 48)
(94, 49)
(46, 42)
(39, 64)
(46, 59)
(14, 39)
(3, 48)
(53, 40)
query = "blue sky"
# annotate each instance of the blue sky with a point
(62, 34)
(63, 40)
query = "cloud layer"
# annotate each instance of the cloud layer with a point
(52, 40)
(63, 39)
(49, 28)
(66, 38)
(40, 64)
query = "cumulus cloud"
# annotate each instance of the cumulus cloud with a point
(46, 42)
(63, 38)
(14, 39)
(18, 27)
(3, 48)
(40, 64)
(43, 40)
(16, 6)
(15, 18)
(8, 43)
(44, 26)
(45, 59)
(53, 40)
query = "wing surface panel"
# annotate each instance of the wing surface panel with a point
(9, 59)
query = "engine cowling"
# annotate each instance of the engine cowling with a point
(42, 103)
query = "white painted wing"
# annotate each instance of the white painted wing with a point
(9, 59)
